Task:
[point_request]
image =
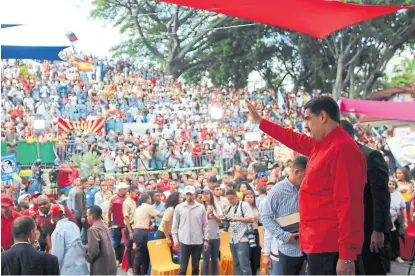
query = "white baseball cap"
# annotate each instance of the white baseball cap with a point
(189, 189)
(122, 185)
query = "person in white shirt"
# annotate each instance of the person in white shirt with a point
(399, 219)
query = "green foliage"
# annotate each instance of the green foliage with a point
(404, 73)
(24, 71)
(86, 163)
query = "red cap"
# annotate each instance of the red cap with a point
(6, 202)
(29, 212)
(35, 194)
(57, 209)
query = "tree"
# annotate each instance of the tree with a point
(404, 74)
(176, 37)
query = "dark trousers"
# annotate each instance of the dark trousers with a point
(376, 263)
(394, 238)
(83, 227)
(211, 255)
(141, 251)
(187, 250)
(291, 265)
(255, 254)
(129, 247)
(118, 247)
(326, 264)
(160, 235)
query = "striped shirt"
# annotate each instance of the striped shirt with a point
(281, 201)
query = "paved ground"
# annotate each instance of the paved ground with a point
(396, 269)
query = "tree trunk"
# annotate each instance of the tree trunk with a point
(337, 88)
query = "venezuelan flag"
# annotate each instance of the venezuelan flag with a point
(17, 179)
(71, 36)
(24, 176)
(84, 67)
(276, 115)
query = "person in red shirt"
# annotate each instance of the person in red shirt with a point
(164, 183)
(116, 218)
(8, 215)
(331, 196)
(65, 179)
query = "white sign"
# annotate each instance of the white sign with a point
(138, 129)
(253, 136)
(403, 148)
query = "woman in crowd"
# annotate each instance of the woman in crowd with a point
(103, 197)
(399, 219)
(255, 253)
(164, 230)
(405, 187)
(214, 216)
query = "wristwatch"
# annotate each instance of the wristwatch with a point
(348, 262)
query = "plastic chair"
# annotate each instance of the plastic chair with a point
(160, 258)
(226, 260)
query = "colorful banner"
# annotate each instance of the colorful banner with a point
(403, 148)
(404, 111)
(94, 126)
(8, 167)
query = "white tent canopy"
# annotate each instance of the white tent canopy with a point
(33, 42)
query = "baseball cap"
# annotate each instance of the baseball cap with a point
(189, 189)
(57, 209)
(122, 185)
(35, 194)
(206, 190)
(6, 202)
(23, 196)
(30, 212)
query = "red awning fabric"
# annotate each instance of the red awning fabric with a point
(404, 111)
(317, 18)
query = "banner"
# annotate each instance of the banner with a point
(8, 167)
(385, 110)
(403, 148)
(94, 126)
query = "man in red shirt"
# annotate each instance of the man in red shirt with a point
(331, 196)
(116, 218)
(65, 179)
(7, 217)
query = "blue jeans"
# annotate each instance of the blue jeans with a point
(211, 254)
(241, 261)
(64, 191)
(275, 268)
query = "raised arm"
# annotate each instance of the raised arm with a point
(298, 142)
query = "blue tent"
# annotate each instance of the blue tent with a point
(32, 42)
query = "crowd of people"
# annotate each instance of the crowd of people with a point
(102, 219)
(182, 130)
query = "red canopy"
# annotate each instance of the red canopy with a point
(317, 18)
(388, 110)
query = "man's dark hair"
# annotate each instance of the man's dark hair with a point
(412, 173)
(143, 198)
(95, 211)
(22, 226)
(132, 188)
(300, 163)
(262, 190)
(324, 103)
(348, 127)
(213, 179)
(231, 192)
(84, 179)
(215, 186)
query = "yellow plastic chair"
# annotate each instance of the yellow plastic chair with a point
(262, 269)
(160, 258)
(226, 260)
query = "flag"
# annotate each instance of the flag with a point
(93, 126)
(25, 175)
(84, 67)
(276, 115)
(71, 36)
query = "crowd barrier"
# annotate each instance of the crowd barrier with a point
(47, 152)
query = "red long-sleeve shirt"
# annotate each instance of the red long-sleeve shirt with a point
(331, 194)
